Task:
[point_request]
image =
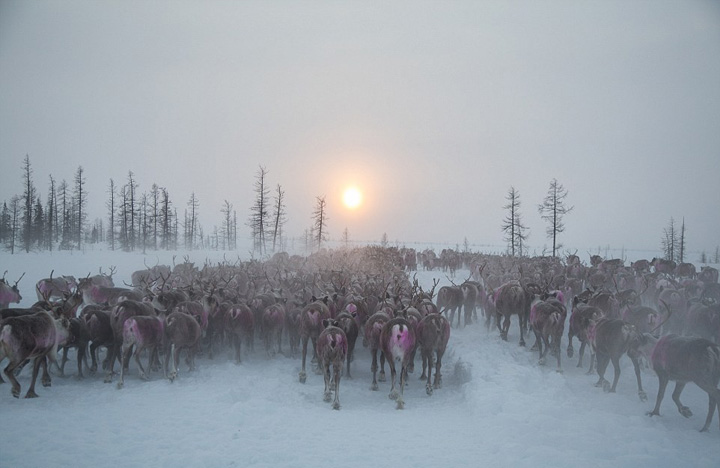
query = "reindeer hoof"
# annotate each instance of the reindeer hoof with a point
(643, 396)
(374, 387)
(606, 387)
(400, 405)
(382, 377)
(559, 371)
(652, 413)
(16, 393)
(327, 397)
(120, 385)
(541, 362)
(685, 411)
(336, 406)
(570, 352)
(429, 390)
(303, 377)
(522, 343)
(393, 395)
(47, 383)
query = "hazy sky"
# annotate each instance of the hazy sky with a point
(433, 109)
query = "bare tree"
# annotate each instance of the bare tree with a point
(227, 226)
(681, 243)
(110, 204)
(319, 218)
(154, 213)
(80, 200)
(514, 229)
(29, 193)
(14, 221)
(51, 224)
(4, 223)
(552, 210)
(279, 217)
(345, 237)
(191, 221)
(670, 240)
(165, 220)
(132, 210)
(259, 211)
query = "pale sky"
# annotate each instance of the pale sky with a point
(432, 109)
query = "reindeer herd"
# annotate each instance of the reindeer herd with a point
(654, 311)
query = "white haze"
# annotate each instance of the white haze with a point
(507, 412)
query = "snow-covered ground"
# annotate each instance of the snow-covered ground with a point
(508, 412)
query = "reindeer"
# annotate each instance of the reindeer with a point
(687, 359)
(433, 334)
(28, 337)
(99, 326)
(397, 341)
(311, 326)
(120, 313)
(332, 349)
(141, 332)
(78, 337)
(48, 289)
(548, 323)
(181, 331)
(346, 322)
(273, 322)
(371, 338)
(611, 338)
(9, 294)
(240, 325)
(450, 300)
(511, 298)
(703, 320)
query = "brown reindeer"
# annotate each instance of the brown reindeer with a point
(582, 319)
(397, 341)
(33, 337)
(371, 338)
(240, 326)
(311, 326)
(347, 323)
(9, 294)
(548, 323)
(181, 331)
(332, 348)
(141, 333)
(687, 359)
(611, 338)
(433, 334)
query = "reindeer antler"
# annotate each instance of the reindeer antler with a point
(21, 277)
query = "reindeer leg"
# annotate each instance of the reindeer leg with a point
(36, 367)
(423, 354)
(337, 367)
(428, 387)
(662, 385)
(616, 377)
(93, 356)
(10, 374)
(570, 349)
(403, 376)
(64, 360)
(602, 362)
(126, 351)
(303, 375)
(45, 380)
(327, 396)
(712, 403)
(684, 410)
(581, 353)
(641, 392)
(373, 369)
(382, 367)
(523, 324)
(438, 366)
(393, 375)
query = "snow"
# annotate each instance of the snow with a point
(497, 407)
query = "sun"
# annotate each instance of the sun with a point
(352, 197)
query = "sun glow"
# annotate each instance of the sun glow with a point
(352, 197)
